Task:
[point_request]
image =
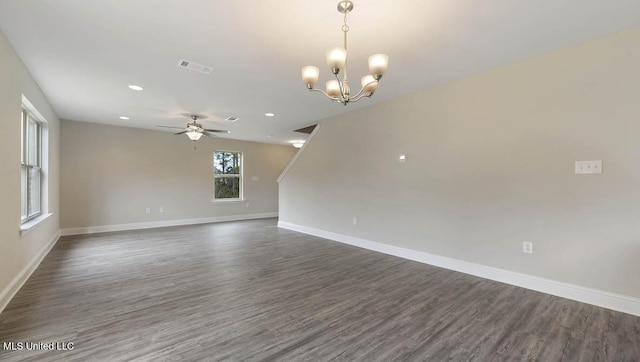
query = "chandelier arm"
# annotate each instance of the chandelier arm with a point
(325, 93)
(360, 93)
(359, 97)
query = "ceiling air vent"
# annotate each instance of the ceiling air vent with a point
(194, 66)
(231, 119)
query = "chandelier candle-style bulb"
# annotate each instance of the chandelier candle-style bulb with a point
(310, 76)
(378, 65)
(336, 59)
(338, 89)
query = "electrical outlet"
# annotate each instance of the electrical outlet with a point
(355, 221)
(247, 205)
(527, 247)
(161, 209)
(148, 210)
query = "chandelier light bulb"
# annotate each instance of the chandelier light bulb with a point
(333, 88)
(369, 84)
(310, 76)
(336, 59)
(378, 65)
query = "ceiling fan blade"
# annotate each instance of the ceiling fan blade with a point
(170, 127)
(183, 132)
(208, 134)
(216, 130)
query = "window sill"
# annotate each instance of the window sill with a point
(31, 224)
(229, 201)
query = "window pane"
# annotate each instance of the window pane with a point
(226, 163)
(34, 191)
(32, 143)
(23, 189)
(227, 187)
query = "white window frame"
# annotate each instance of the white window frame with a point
(239, 176)
(29, 166)
(29, 220)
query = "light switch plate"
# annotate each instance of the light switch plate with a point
(527, 247)
(588, 167)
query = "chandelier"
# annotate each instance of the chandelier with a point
(338, 89)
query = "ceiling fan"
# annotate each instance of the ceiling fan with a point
(194, 130)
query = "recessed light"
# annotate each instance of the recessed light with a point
(297, 143)
(269, 114)
(135, 87)
(125, 118)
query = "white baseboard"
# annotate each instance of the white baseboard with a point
(163, 223)
(10, 291)
(621, 303)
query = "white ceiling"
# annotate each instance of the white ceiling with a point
(83, 54)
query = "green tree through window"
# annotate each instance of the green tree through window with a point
(227, 171)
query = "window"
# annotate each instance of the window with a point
(227, 172)
(31, 164)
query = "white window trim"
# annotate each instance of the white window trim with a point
(228, 201)
(240, 176)
(31, 222)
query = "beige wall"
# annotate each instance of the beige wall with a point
(110, 175)
(490, 163)
(17, 251)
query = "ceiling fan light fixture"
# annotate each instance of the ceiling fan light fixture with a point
(194, 135)
(195, 130)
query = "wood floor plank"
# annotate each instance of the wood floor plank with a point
(250, 291)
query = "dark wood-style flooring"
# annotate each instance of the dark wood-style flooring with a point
(250, 291)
